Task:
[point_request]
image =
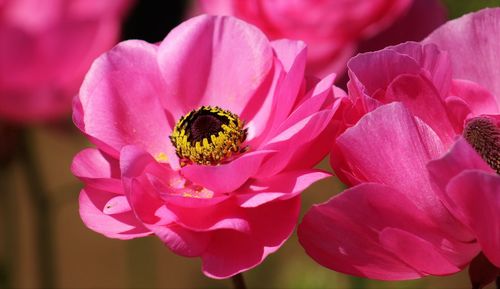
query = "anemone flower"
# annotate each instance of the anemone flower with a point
(333, 29)
(204, 140)
(423, 159)
(46, 47)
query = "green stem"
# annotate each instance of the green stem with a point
(239, 281)
(42, 212)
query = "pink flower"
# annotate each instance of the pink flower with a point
(45, 49)
(425, 199)
(205, 140)
(332, 28)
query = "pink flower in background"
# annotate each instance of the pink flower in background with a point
(45, 49)
(205, 140)
(333, 28)
(424, 159)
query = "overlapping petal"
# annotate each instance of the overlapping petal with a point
(231, 214)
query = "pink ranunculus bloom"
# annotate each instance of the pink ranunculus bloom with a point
(45, 49)
(332, 29)
(205, 140)
(423, 159)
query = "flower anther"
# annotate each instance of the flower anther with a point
(483, 135)
(208, 136)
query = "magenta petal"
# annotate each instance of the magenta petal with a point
(292, 55)
(478, 99)
(371, 71)
(122, 225)
(118, 109)
(182, 241)
(477, 199)
(117, 205)
(223, 215)
(423, 100)
(434, 62)
(403, 149)
(98, 170)
(342, 234)
(273, 232)
(290, 139)
(230, 252)
(198, 63)
(228, 177)
(282, 186)
(417, 252)
(469, 40)
(460, 157)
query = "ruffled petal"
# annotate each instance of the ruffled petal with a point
(281, 186)
(476, 197)
(113, 224)
(119, 99)
(460, 157)
(469, 40)
(97, 170)
(228, 177)
(403, 148)
(200, 67)
(478, 99)
(343, 235)
(423, 100)
(229, 253)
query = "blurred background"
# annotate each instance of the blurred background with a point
(39, 198)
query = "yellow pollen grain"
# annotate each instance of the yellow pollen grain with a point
(161, 157)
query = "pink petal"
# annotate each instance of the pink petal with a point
(478, 99)
(292, 55)
(403, 148)
(410, 248)
(228, 177)
(469, 40)
(223, 215)
(211, 60)
(282, 186)
(460, 157)
(291, 138)
(341, 233)
(98, 170)
(122, 225)
(182, 241)
(118, 109)
(272, 223)
(371, 71)
(117, 205)
(476, 196)
(434, 62)
(421, 97)
(230, 252)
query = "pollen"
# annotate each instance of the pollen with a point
(484, 136)
(208, 136)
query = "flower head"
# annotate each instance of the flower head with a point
(203, 140)
(422, 154)
(45, 49)
(333, 29)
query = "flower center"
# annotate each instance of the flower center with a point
(208, 136)
(484, 136)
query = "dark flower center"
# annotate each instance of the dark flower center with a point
(208, 136)
(484, 136)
